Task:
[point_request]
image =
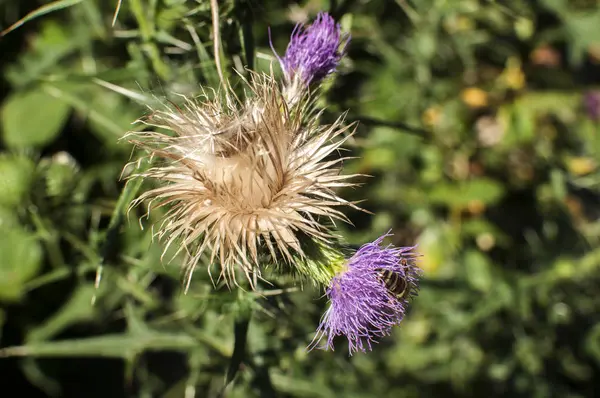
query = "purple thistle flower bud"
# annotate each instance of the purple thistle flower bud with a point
(591, 102)
(314, 51)
(369, 296)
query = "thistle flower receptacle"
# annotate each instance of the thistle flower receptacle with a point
(364, 305)
(243, 180)
(313, 52)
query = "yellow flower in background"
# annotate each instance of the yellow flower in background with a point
(464, 24)
(432, 116)
(476, 207)
(474, 97)
(581, 165)
(513, 77)
(458, 23)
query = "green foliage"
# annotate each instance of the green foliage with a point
(21, 260)
(16, 178)
(32, 118)
(480, 151)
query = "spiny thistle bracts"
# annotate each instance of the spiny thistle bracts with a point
(243, 178)
(362, 306)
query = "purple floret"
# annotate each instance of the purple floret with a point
(314, 52)
(361, 306)
(591, 102)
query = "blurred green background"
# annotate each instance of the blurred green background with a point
(473, 126)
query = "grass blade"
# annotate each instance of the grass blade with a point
(116, 14)
(43, 10)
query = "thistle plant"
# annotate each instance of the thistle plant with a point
(252, 183)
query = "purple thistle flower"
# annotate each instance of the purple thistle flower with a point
(591, 102)
(314, 51)
(363, 307)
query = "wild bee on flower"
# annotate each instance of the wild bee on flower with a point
(364, 306)
(395, 282)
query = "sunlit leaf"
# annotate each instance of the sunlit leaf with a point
(478, 271)
(16, 177)
(484, 190)
(20, 260)
(109, 346)
(32, 118)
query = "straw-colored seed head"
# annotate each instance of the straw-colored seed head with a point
(243, 179)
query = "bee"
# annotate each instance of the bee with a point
(395, 282)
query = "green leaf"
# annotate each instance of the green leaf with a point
(114, 114)
(16, 177)
(8, 217)
(438, 243)
(298, 387)
(478, 270)
(207, 63)
(108, 346)
(78, 308)
(85, 102)
(47, 53)
(485, 190)
(558, 103)
(379, 158)
(583, 31)
(20, 261)
(32, 118)
(560, 7)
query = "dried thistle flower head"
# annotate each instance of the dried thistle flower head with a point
(243, 180)
(369, 295)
